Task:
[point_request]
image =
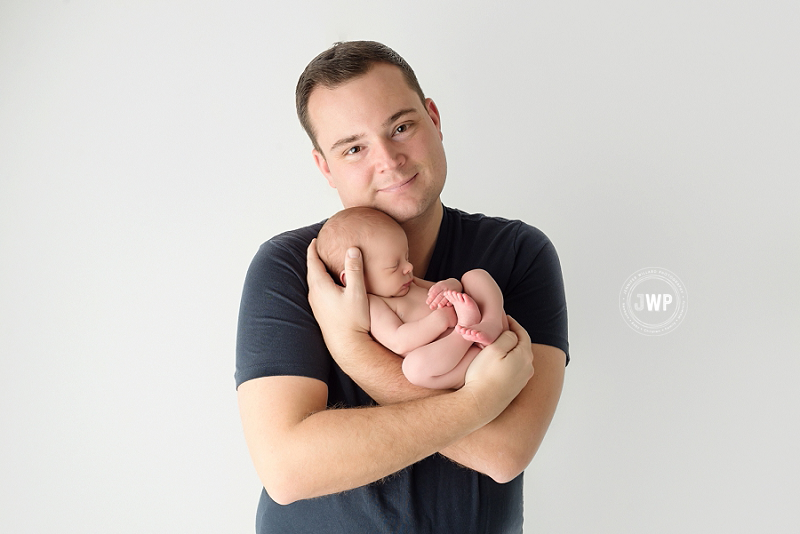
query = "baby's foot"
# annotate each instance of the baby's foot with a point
(477, 334)
(466, 309)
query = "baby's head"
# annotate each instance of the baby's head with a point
(383, 244)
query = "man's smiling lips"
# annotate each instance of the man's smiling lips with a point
(398, 187)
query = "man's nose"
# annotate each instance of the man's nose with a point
(387, 156)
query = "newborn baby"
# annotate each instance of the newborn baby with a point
(438, 328)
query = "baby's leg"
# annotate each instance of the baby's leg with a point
(433, 365)
(486, 293)
(455, 378)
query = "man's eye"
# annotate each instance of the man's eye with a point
(353, 150)
(402, 128)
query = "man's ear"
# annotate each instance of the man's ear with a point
(322, 165)
(433, 113)
(342, 279)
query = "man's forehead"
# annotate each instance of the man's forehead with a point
(370, 99)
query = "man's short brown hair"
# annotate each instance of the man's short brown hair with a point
(341, 63)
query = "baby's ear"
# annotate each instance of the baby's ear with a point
(342, 279)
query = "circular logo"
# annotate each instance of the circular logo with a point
(653, 301)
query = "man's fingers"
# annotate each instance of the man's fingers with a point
(521, 333)
(316, 269)
(510, 339)
(505, 342)
(354, 272)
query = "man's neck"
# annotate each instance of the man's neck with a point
(422, 233)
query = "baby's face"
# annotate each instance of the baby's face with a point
(387, 271)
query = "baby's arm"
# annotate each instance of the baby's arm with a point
(401, 338)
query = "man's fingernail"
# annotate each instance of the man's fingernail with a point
(352, 252)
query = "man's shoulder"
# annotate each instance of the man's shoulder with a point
(494, 228)
(288, 245)
(284, 254)
(293, 240)
(462, 217)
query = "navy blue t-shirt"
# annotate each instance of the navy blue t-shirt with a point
(278, 336)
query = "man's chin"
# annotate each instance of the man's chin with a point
(405, 212)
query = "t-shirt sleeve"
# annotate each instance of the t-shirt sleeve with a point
(535, 294)
(277, 334)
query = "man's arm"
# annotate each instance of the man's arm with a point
(302, 450)
(504, 447)
(501, 449)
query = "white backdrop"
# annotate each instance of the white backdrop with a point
(148, 148)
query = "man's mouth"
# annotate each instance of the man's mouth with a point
(398, 187)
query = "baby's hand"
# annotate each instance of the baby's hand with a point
(436, 298)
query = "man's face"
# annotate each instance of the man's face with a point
(381, 147)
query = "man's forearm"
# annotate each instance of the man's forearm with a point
(504, 447)
(500, 449)
(302, 450)
(337, 450)
(378, 371)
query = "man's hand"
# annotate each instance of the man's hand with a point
(501, 370)
(519, 430)
(340, 312)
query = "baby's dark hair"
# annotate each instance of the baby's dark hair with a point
(350, 227)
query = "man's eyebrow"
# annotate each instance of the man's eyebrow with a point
(346, 141)
(399, 114)
(353, 138)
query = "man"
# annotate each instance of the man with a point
(411, 459)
